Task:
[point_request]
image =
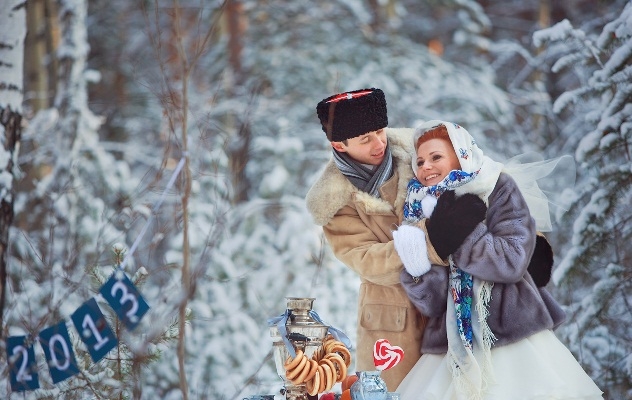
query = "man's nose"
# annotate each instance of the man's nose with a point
(376, 141)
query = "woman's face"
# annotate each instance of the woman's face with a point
(435, 159)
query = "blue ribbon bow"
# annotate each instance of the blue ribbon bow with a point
(335, 332)
(280, 322)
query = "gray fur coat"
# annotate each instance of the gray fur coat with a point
(498, 251)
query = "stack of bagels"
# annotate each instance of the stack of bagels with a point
(327, 366)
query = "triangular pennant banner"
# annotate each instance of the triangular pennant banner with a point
(94, 330)
(124, 299)
(61, 361)
(22, 365)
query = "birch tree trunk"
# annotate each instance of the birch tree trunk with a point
(40, 64)
(13, 23)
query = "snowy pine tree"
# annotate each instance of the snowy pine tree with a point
(251, 242)
(67, 220)
(595, 271)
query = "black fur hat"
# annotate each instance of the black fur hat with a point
(351, 114)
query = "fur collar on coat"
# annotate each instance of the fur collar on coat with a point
(332, 190)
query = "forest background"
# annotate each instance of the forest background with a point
(101, 100)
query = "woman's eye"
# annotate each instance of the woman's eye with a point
(420, 163)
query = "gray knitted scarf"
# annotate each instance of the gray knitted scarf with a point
(362, 177)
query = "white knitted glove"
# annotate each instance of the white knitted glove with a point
(428, 204)
(410, 244)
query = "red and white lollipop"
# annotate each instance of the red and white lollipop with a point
(385, 355)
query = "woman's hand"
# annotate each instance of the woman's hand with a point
(452, 220)
(410, 244)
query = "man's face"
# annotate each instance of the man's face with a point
(366, 149)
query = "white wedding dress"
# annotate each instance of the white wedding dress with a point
(539, 367)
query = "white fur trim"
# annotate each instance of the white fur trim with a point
(332, 190)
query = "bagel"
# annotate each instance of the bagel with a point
(328, 343)
(331, 345)
(292, 363)
(330, 365)
(294, 372)
(334, 376)
(344, 353)
(323, 377)
(329, 376)
(319, 354)
(339, 364)
(312, 370)
(313, 385)
(304, 372)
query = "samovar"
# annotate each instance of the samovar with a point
(295, 329)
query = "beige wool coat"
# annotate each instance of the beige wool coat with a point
(359, 229)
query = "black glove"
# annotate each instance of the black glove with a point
(452, 220)
(541, 263)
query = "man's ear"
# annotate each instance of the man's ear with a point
(339, 146)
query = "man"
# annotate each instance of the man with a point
(359, 200)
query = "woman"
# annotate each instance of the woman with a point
(489, 333)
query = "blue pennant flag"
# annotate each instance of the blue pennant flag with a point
(59, 355)
(22, 365)
(124, 299)
(94, 330)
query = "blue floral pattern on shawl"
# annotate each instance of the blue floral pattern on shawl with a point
(461, 283)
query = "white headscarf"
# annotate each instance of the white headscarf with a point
(527, 170)
(470, 157)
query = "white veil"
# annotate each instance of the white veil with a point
(543, 184)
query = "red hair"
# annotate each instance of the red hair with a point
(438, 132)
